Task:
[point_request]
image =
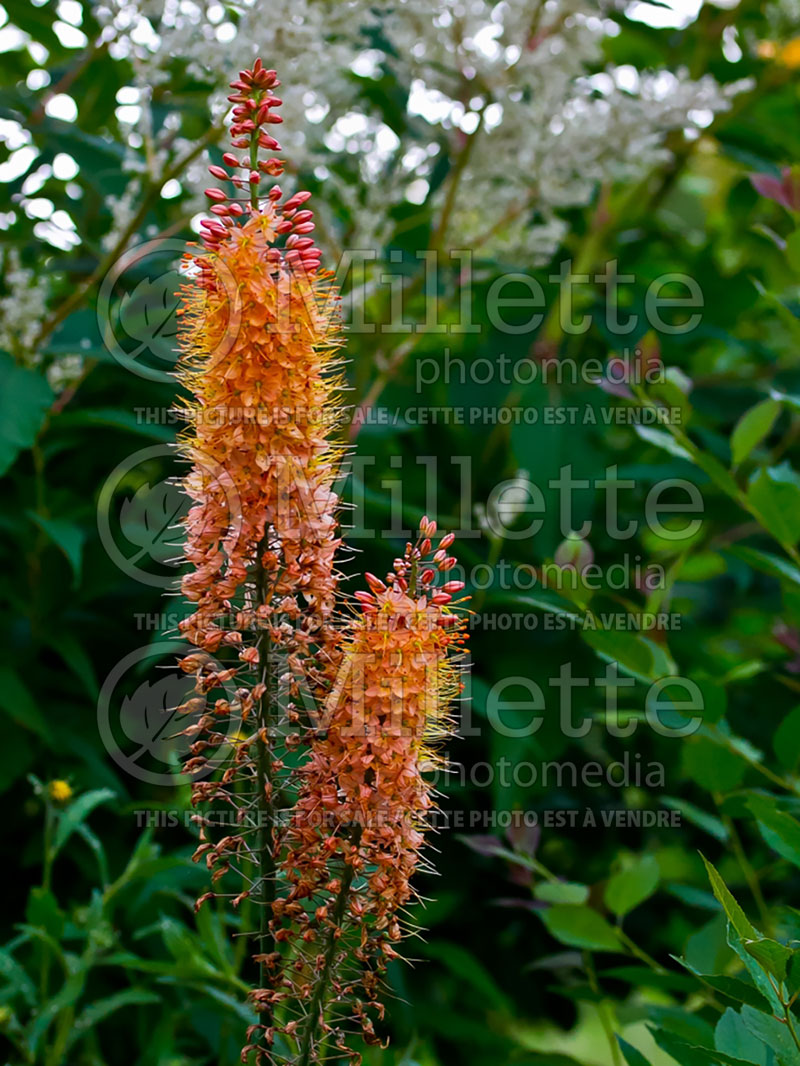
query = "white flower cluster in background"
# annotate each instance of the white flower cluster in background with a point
(516, 92)
(22, 308)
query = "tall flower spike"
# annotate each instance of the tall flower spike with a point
(325, 893)
(260, 338)
(359, 823)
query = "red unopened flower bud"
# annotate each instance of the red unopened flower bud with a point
(452, 586)
(298, 199)
(216, 194)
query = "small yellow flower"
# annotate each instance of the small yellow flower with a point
(790, 54)
(59, 791)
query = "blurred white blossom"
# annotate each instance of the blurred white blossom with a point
(22, 308)
(517, 92)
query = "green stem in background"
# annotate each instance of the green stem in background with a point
(79, 294)
(47, 875)
(393, 364)
(603, 1010)
(634, 949)
(792, 1031)
(492, 559)
(787, 1020)
(324, 976)
(750, 875)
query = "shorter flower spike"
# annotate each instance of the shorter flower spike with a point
(358, 827)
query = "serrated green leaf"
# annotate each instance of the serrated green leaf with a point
(736, 915)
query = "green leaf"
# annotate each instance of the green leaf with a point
(736, 915)
(732, 1037)
(761, 979)
(43, 912)
(96, 1012)
(561, 892)
(736, 990)
(236, 1006)
(630, 1054)
(786, 741)
(96, 846)
(752, 428)
(714, 768)
(113, 418)
(766, 562)
(709, 823)
(779, 829)
(632, 886)
(14, 973)
(774, 1034)
(633, 654)
(25, 398)
(770, 955)
(19, 704)
(67, 536)
(732, 987)
(692, 1055)
(72, 816)
(76, 658)
(543, 601)
(580, 927)
(774, 493)
(66, 997)
(467, 968)
(793, 250)
(663, 440)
